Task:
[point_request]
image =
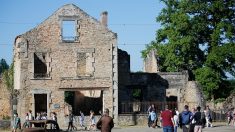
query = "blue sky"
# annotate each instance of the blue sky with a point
(133, 20)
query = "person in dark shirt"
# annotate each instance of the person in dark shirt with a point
(105, 124)
(199, 118)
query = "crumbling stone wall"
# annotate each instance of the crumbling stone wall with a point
(4, 101)
(152, 85)
(150, 63)
(179, 87)
(62, 58)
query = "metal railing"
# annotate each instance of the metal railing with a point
(142, 107)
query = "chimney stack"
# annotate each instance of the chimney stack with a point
(104, 18)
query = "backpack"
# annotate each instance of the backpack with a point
(185, 117)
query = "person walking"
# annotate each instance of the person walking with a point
(199, 118)
(167, 120)
(81, 120)
(92, 120)
(208, 115)
(105, 124)
(16, 122)
(70, 118)
(185, 119)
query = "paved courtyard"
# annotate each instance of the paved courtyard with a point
(146, 129)
(216, 128)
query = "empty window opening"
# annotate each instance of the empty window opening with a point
(68, 31)
(137, 94)
(40, 66)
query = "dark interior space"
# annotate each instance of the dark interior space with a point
(40, 103)
(40, 67)
(79, 102)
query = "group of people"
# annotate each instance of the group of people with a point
(188, 121)
(105, 123)
(29, 116)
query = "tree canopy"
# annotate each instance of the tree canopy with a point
(3, 65)
(197, 36)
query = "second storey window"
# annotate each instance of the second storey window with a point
(40, 65)
(69, 31)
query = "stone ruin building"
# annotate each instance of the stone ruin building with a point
(179, 88)
(73, 52)
(155, 85)
(69, 51)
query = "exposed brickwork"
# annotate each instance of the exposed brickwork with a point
(93, 42)
(4, 101)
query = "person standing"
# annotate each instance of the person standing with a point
(153, 118)
(92, 120)
(199, 118)
(150, 109)
(105, 124)
(176, 120)
(167, 120)
(208, 115)
(38, 117)
(26, 124)
(54, 117)
(16, 122)
(185, 118)
(192, 121)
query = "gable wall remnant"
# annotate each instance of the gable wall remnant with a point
(65, 71)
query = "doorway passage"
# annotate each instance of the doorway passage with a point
(40, 103)
(80, 102)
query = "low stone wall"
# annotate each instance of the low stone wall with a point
(132, 119)
(5, 124)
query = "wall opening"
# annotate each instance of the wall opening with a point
(171, 99)
(40, 66)
(68, 31)
(40, 103)
(137, 93)
(80, 102)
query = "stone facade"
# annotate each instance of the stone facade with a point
(151, 87)
(4, 101)
(179, 88)
(47, 62)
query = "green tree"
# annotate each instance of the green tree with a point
(3, 65)
(197, 36)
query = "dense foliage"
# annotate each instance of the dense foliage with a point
(3, 65)
(198, 36)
